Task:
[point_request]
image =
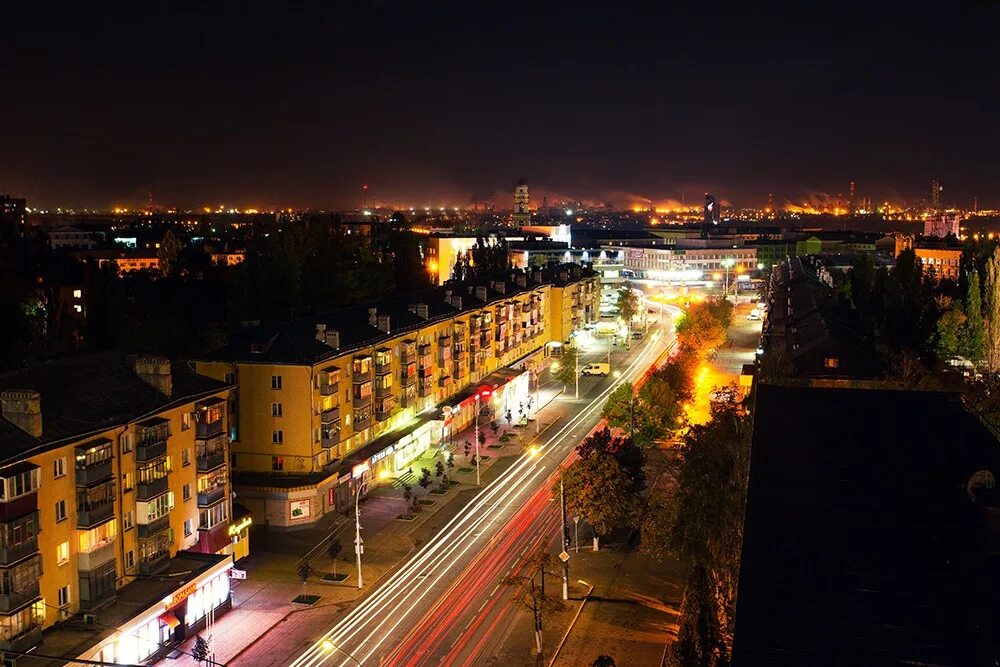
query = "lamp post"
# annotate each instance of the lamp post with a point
(477, 439)
(576, 361)
(358, 544)
(538, 398)
(563, 554)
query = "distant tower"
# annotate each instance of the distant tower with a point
(770, 201)
(522, 214)
(850, 201)
(711, 212)
(936, 190)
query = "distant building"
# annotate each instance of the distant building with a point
(12, 212)
(68, 237)
(124, 260)
(522, 213)
(711, 212)
(940, 226)
(689, 264)
(940, 263)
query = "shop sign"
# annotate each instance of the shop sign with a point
(300, 509)
(181, 595)
(237, 528)
(237, 574)
(359, 470)
(381, 455)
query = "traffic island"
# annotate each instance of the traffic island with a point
(305, 599)
(334, 577)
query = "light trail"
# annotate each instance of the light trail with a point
(376, 618)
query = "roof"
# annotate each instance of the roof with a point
(75, 637)
(860, 543)
(295, 342)
(521, 181)
(89, 393)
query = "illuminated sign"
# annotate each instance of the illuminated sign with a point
(182, 595)
(381, 455)
(300, 509)
(237, 528)
(359, 470)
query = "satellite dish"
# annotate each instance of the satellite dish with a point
(982, 480)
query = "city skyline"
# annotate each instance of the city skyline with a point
(276, 109)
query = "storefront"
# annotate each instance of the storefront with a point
(164, 625)
(505, 393)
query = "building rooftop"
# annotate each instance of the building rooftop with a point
(296, 342)
(862, 545)
(91, 393)
(74, 636)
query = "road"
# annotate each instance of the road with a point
(442, 606)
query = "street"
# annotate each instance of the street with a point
(444, 604)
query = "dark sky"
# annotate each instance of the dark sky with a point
(298, 104)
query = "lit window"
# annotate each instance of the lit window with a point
(62, 553)
(831, 362)
(59, 468)
(77, 293)
(78, 308)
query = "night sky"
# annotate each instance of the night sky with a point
(428, 103)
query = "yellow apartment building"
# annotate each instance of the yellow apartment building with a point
(116, 527)
(329, 404)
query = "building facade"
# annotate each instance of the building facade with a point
(331, 404)
(689, 264)
(522, 210)
(115, 470)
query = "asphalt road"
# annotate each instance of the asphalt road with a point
(445, 604)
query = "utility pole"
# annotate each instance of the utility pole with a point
(538, 399)
(564, 555)
(576, 361)
(478, 483)
(358, 544)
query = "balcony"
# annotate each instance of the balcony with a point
(155, 563)
(15, 599)
(444, 381)
(87, 561)
(331, 437)
(88, 518)
(16, 552)
(211, 460)
(329, 381)
(426, 388)
(155, 526)
(208, 429)
(361, 376)
(330, 416)
(211, 496)
(383, 368)
(383, 392)
(362, 401)
(363, 422)
(94, 473)
(147, 450)
(152, 488)
(25, 641)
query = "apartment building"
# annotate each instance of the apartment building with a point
(690, 263)
(116, 528)
(333, 403)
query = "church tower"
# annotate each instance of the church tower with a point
(522, 215)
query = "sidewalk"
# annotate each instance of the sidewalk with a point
(262, 604)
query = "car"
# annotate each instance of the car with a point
(753, 316)
(596, 369)
(636, 335)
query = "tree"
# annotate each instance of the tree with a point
(603, 661)
(948, 334)
(973, 336)
(722, 310)
(699, 330)
(699, 638)
(438, 469)
(201, 649)
(991, 311)
(167, 253)
(304, 570)
(660, 409)
(618, 408)
(529, 594)
(450, 462)
(425, 478)
(333, 550)
(628, 303)
(565, 367)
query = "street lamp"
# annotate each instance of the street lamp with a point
(358, 544)
(330, 647)
(484, 393)
(563, 555)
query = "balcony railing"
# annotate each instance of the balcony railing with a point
(210, 496)
(382, 392)
(359, 376)
(331, 438)
(211, 460)
(16, 552)
(155, 563)
(153, 527)
(93, 559)
(30, 637)
(330, 416)
(208, 429)
(97, 472)
(150, 449)
(15, 599)
(363, 423)
(88, 518)
(152, 488)
(361, 401)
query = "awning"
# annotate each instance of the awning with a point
(170, 620)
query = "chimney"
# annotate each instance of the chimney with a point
(383, 323)
(522, 281)
(23, 408)
(373, 317)
(564, 275)
(481, 293)
(577, 270)
(155, 371)
(537, 277)
(469, 289)
(500, 286)
(447, 296)
(330, 337)
(493, 285)
(457, 302)
(321, 332)
(423, 311)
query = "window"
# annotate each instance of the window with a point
(60, 511)
(230, 378)
(275, 382)
(127, 482)
(62, 596)
(185, 421)
(212, 516)
(20, 484)
(188, 527)
(77, 293)
(186, 457)
(277, 436)
(187, 492)
(277, 463)
(831, 362)
(62, 553)
(275, 409)
(127, 443)
(59, 467)
(128, 520)
(95, 538)
(129, 560)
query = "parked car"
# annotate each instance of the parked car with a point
(755, 314)
(596, 369)
(636, 335)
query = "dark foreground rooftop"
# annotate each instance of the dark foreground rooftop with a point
(862, 545)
